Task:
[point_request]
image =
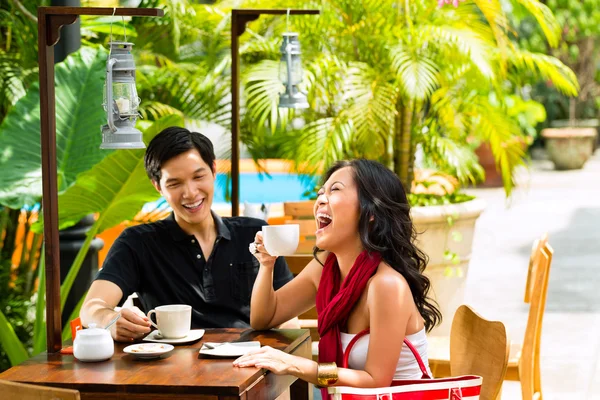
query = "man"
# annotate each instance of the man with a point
(192, 257)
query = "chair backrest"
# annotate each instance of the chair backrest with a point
(22, 391)
(479, 347)
(301, 213)
(535, 254)
(530, 350)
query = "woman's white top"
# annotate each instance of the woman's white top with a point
(407, 367)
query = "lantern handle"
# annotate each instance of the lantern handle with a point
(109, 94)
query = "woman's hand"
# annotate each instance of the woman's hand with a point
(261, 254)
(266, 357)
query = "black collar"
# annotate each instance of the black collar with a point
(179, 234)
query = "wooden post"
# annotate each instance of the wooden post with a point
(239, 19)
(50, 20)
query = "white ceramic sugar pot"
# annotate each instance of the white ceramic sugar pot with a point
(93, 344)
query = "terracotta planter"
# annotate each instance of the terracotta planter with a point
(435, 237)
(569, 148)
(493, 178)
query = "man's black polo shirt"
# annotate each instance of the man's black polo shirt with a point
(165, 265)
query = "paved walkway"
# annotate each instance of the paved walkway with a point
(566, 204)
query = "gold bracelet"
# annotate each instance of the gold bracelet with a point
(327, 374)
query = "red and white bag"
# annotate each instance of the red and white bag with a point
(465, 387)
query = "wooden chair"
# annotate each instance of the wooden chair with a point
(21, 391)
(534, 258)
(524, 361)
(479, 347)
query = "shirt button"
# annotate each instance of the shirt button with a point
(198, 256)
(193, 241)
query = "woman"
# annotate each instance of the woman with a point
(367, 274)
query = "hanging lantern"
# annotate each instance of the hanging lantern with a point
(121, 100)
(290, 73)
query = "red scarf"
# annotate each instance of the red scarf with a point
(334, 303)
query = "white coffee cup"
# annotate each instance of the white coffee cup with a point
(174, 321)
(281, 240)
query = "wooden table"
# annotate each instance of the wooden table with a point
(182, 374)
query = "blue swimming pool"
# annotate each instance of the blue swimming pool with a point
(260, 188)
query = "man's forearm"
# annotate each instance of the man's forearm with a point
(96, 311)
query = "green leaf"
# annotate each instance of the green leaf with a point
(545, 19)
(66, 333)
(117, 187)
(39, 327)
(10, 342)
(418, 73)
(79, 115)
(457, 236)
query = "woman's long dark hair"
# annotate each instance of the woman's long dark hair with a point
(385, 226)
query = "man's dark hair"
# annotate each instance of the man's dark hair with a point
(172, 142)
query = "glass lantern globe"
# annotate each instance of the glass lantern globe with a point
(121, 100)
(290, 72)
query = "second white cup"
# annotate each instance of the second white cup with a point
(174, 321)
(281, 240)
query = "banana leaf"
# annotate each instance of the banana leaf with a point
(10, 342)
(79, 115)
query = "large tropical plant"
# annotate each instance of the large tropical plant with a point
(115, 189)
(18, 50)
(580, 23)
(389, 79)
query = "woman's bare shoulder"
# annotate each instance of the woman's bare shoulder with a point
(388, 280)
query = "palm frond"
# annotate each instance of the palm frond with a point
(262, 89)
(449, 155)
(416, 70)
(473, 48)
(545, 67)
(545, 19)
(318, 144)
(371, 108)
(492, 126)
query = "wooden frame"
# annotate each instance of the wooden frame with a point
(50, 20)
(239, 19)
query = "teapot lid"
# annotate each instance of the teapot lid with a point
(92, 331)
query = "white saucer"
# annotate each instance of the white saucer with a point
(194, 335)
(235, 349)
(148, 350)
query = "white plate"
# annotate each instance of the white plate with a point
(194, 335)
(148, 350)
(235, 349)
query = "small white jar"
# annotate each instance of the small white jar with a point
(93, 344)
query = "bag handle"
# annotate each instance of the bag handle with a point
(406, 342)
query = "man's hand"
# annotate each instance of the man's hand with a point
(132, 325)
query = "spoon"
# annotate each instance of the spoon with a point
(214, 346)
(112, 321)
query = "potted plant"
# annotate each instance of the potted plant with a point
(402, 83)
(570, 148)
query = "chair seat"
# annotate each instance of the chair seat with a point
(515, 355)
(512, 372)
(438, 349)
(438, 354)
